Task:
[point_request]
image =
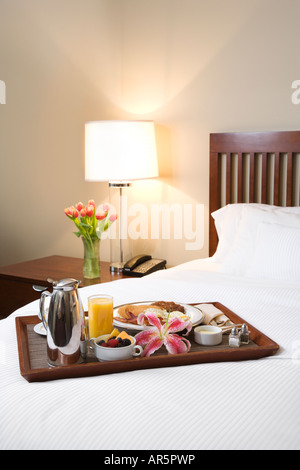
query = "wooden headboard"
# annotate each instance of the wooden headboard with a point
(261, 167)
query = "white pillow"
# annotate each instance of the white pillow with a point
(227, 220)
(242, 251)
(276, 254)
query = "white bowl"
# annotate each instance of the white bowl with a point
(115, 354)
(208, 335)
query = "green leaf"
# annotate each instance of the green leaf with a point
(81, 224)
(77, 234)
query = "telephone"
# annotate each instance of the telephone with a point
(141, 265)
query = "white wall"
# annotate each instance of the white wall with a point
(191, 66)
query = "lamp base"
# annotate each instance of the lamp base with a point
(116, 246)
(116, 267)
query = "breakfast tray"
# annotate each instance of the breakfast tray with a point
(32, 350)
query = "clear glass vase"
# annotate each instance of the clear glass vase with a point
(91, 258)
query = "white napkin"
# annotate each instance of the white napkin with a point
(215, 317)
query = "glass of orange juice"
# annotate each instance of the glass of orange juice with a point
(100, 314)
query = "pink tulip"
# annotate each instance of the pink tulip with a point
(75, 212)
(90, 210)
(92, 228)
(67, 211)
(113, 217)
(70, 211)
(101, 215)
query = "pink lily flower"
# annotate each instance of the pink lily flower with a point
(154, 337)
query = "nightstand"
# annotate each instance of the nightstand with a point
(16, 280)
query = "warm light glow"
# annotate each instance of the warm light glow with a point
(120, 150)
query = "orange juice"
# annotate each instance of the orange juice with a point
(100, 312)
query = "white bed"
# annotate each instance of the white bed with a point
(250, 404)
(232, 405)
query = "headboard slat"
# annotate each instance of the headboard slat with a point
(264, 194)
(276, 188)
(251, 196)
(240, 177)
(289, 179)
(228, 178)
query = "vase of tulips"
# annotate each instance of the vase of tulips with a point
(91, 258)
(90, 225)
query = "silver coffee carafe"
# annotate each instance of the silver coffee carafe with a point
(64, 323)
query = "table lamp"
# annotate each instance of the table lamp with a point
(120, 152)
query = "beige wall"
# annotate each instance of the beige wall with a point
(192, 66)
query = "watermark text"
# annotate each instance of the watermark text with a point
(161, 222)
(296, 94)
(2, 92)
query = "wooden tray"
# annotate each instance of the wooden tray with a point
(33, 353)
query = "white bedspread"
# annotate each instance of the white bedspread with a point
(233, 405)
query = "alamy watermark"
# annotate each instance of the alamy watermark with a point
(161, 222)
(2, 92)
(296, 94)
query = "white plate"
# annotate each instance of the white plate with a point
(40, 330)
(196, 316)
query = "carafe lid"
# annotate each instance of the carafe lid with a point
(66, 284)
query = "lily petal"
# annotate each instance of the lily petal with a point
(177, 324)
(175, 344)
(145, 336)
(152, 318)
(155, 343)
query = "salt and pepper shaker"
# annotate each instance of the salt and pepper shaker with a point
(234, 338)
(244, 334)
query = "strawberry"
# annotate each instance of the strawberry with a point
(112, 343)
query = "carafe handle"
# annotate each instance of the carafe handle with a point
(42, 308)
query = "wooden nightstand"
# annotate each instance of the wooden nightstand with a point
(16, 280)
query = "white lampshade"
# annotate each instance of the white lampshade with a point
(120, 150)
